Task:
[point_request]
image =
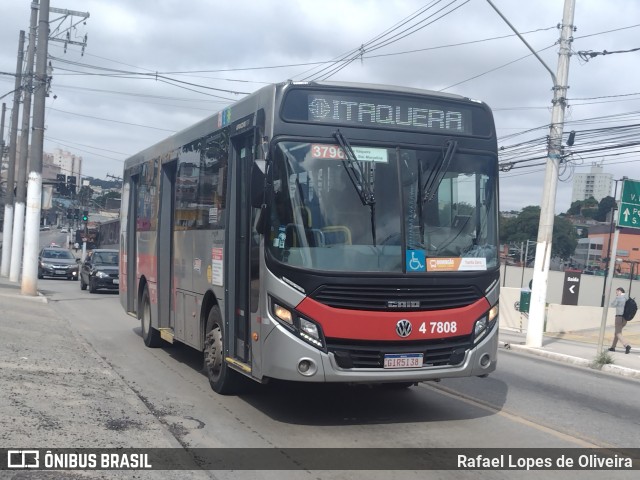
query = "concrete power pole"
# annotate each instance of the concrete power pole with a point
(34, 195)
(7, 227)
(4, 111)
(537, 308)
(21, 188)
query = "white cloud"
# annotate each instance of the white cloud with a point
(169, 35)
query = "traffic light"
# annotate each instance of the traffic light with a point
(85, 215)
(76, 214)
(69, 213)
(60, 183)
(71, 185)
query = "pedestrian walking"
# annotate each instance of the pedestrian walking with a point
(618, 302)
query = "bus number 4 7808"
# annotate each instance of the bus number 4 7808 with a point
(438, 327)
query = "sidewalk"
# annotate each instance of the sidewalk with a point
(57, 392)
(577, 348)
(580, 347)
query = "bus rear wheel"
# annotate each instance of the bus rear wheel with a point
(222, 378)
(150, 335)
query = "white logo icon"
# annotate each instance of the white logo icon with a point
(23, 458)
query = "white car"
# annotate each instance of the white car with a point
(64, 230)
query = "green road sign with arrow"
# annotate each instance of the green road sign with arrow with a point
(629, 213)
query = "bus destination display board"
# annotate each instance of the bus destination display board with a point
(374, 110)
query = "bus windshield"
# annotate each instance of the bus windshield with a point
(434, 209)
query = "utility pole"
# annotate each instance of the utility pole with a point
(554, 151)
(7, 228)
(34, 197)
(537, 308)
(114, 177)
(609, 281)
(4, 111)
(21, 187)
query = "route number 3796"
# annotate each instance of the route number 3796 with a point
(438, 327)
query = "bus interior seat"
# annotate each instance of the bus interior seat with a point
(337, 235)
(314, 236)
(305, 213)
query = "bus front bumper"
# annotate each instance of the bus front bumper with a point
(287, 357)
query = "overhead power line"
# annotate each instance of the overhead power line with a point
(587, 55)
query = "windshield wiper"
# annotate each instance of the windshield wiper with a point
(355, 171)
(361, 182)
(435, 178)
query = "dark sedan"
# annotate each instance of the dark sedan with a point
(100, 270)
(57, 262)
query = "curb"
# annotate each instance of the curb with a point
(39, 298)
(618, 370)
(581, 362)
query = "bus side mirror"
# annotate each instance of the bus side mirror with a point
(257, 183)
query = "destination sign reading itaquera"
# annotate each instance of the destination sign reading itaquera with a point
(344, 109)
(373, 110)
(629, 213)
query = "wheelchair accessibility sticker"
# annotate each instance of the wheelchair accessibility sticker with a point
(415, 260)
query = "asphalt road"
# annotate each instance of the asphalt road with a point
(528, 402)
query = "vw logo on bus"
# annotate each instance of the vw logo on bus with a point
(403, 328)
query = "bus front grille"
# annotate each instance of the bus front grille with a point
(436, 353)
(396, 299)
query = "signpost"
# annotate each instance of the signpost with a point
(571, 288)
(629, 213)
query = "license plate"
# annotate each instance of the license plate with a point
(60, 272)
(403, 360)
(116, 281)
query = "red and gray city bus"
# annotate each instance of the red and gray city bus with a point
(320, 232)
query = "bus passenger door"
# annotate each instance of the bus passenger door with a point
(242, 255)
(166, 301)
(131, 245)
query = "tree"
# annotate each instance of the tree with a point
(587, 208)
(525, 227)
(102, 199)
(604, 208)
(564, 238)
(85, 194)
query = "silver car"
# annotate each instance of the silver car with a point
(57, 262)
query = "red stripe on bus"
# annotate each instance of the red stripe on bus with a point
(369, 325)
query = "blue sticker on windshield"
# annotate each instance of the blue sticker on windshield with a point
(415, 261)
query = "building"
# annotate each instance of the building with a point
(596, 184)
(588, 253)
(627, 251)
(69, 164)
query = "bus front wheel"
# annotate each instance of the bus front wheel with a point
(222, 378)
(150, 335)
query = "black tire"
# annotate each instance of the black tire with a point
(40, 276)
(223, 379)
(92, 287)
(150, 335)
(83, 286)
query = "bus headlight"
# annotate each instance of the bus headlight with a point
(484, 324)
(493, 313)
(480, 329)
(309, 332)
(283, 314)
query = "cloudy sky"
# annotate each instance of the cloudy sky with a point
(104, 105)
